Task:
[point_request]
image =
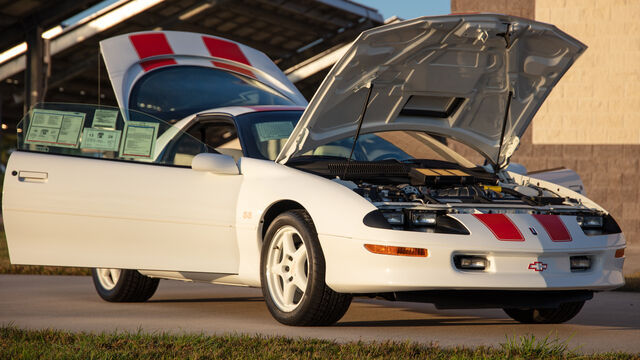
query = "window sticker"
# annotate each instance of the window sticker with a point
(100, 139)
(139, 139)
(56, 128)
(104, 118)
(274, 130)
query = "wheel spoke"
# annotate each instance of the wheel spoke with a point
(300, 255)
(289, 293)
(277, 269)
(300, 281)
(115, 275)
(288, 247)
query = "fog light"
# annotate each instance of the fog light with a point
(580, 263)
(420, 218)
(394, 217)
(465, 262)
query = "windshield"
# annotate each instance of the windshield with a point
(175, 92)
(264, 134)
(400, 146)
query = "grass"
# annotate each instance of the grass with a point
(53, 344)
(632, 281)
(7, 268)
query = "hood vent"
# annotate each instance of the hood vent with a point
(431, 106)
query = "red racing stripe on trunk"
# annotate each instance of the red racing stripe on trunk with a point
(153, 44)
(501, 226)
(554, 226)
(225, 50)
(237, 69)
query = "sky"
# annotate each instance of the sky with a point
(409, 9)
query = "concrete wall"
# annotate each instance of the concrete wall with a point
(591, 121)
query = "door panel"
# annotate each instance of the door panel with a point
(92, 189)
(100, 213)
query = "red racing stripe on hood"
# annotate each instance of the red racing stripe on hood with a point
(554, 226)
(152, 44)
(501, 226)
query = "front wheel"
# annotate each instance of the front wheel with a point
(562, 313)
(292, 274)
(117, 285)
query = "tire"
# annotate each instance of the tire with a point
(562, 313)
(116, 285)
(292, 276)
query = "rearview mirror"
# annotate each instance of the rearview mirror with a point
(215, 163)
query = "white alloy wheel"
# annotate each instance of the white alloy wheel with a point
(287, 269)
(108, 277)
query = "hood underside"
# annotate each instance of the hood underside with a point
(478, 79)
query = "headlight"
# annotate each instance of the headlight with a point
(590, 222)
(420, 218)
(394, 217)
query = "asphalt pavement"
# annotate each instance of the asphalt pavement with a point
(609, 322)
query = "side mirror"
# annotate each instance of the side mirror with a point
(215, 163)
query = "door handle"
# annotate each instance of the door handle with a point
(33, 176)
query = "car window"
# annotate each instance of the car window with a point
(102, 132)
(175, 92)
(221, 136)
(264, 133)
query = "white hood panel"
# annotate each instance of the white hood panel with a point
(448, 75)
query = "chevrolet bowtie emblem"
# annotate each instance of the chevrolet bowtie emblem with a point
(538, 266)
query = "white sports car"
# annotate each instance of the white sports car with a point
(213, 168)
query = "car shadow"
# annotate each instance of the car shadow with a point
(453, 321)
(209, 300)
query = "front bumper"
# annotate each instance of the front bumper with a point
(350, 268)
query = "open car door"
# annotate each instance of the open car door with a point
(86, 188)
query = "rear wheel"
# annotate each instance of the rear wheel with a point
(292, 274)
(562, 313)
(117, 285)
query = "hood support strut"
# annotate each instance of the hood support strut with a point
(504, 128)
(355, 139)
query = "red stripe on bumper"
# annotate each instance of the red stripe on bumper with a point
(225, 50)
(154, 44)
(554, 226)
(501, 226)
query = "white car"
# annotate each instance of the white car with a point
(215, 169)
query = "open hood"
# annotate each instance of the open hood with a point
(453, 76)
(130, 57)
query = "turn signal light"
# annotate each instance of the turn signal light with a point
(620, 253)
(396, 250)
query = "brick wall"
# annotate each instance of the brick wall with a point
(574, 127)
